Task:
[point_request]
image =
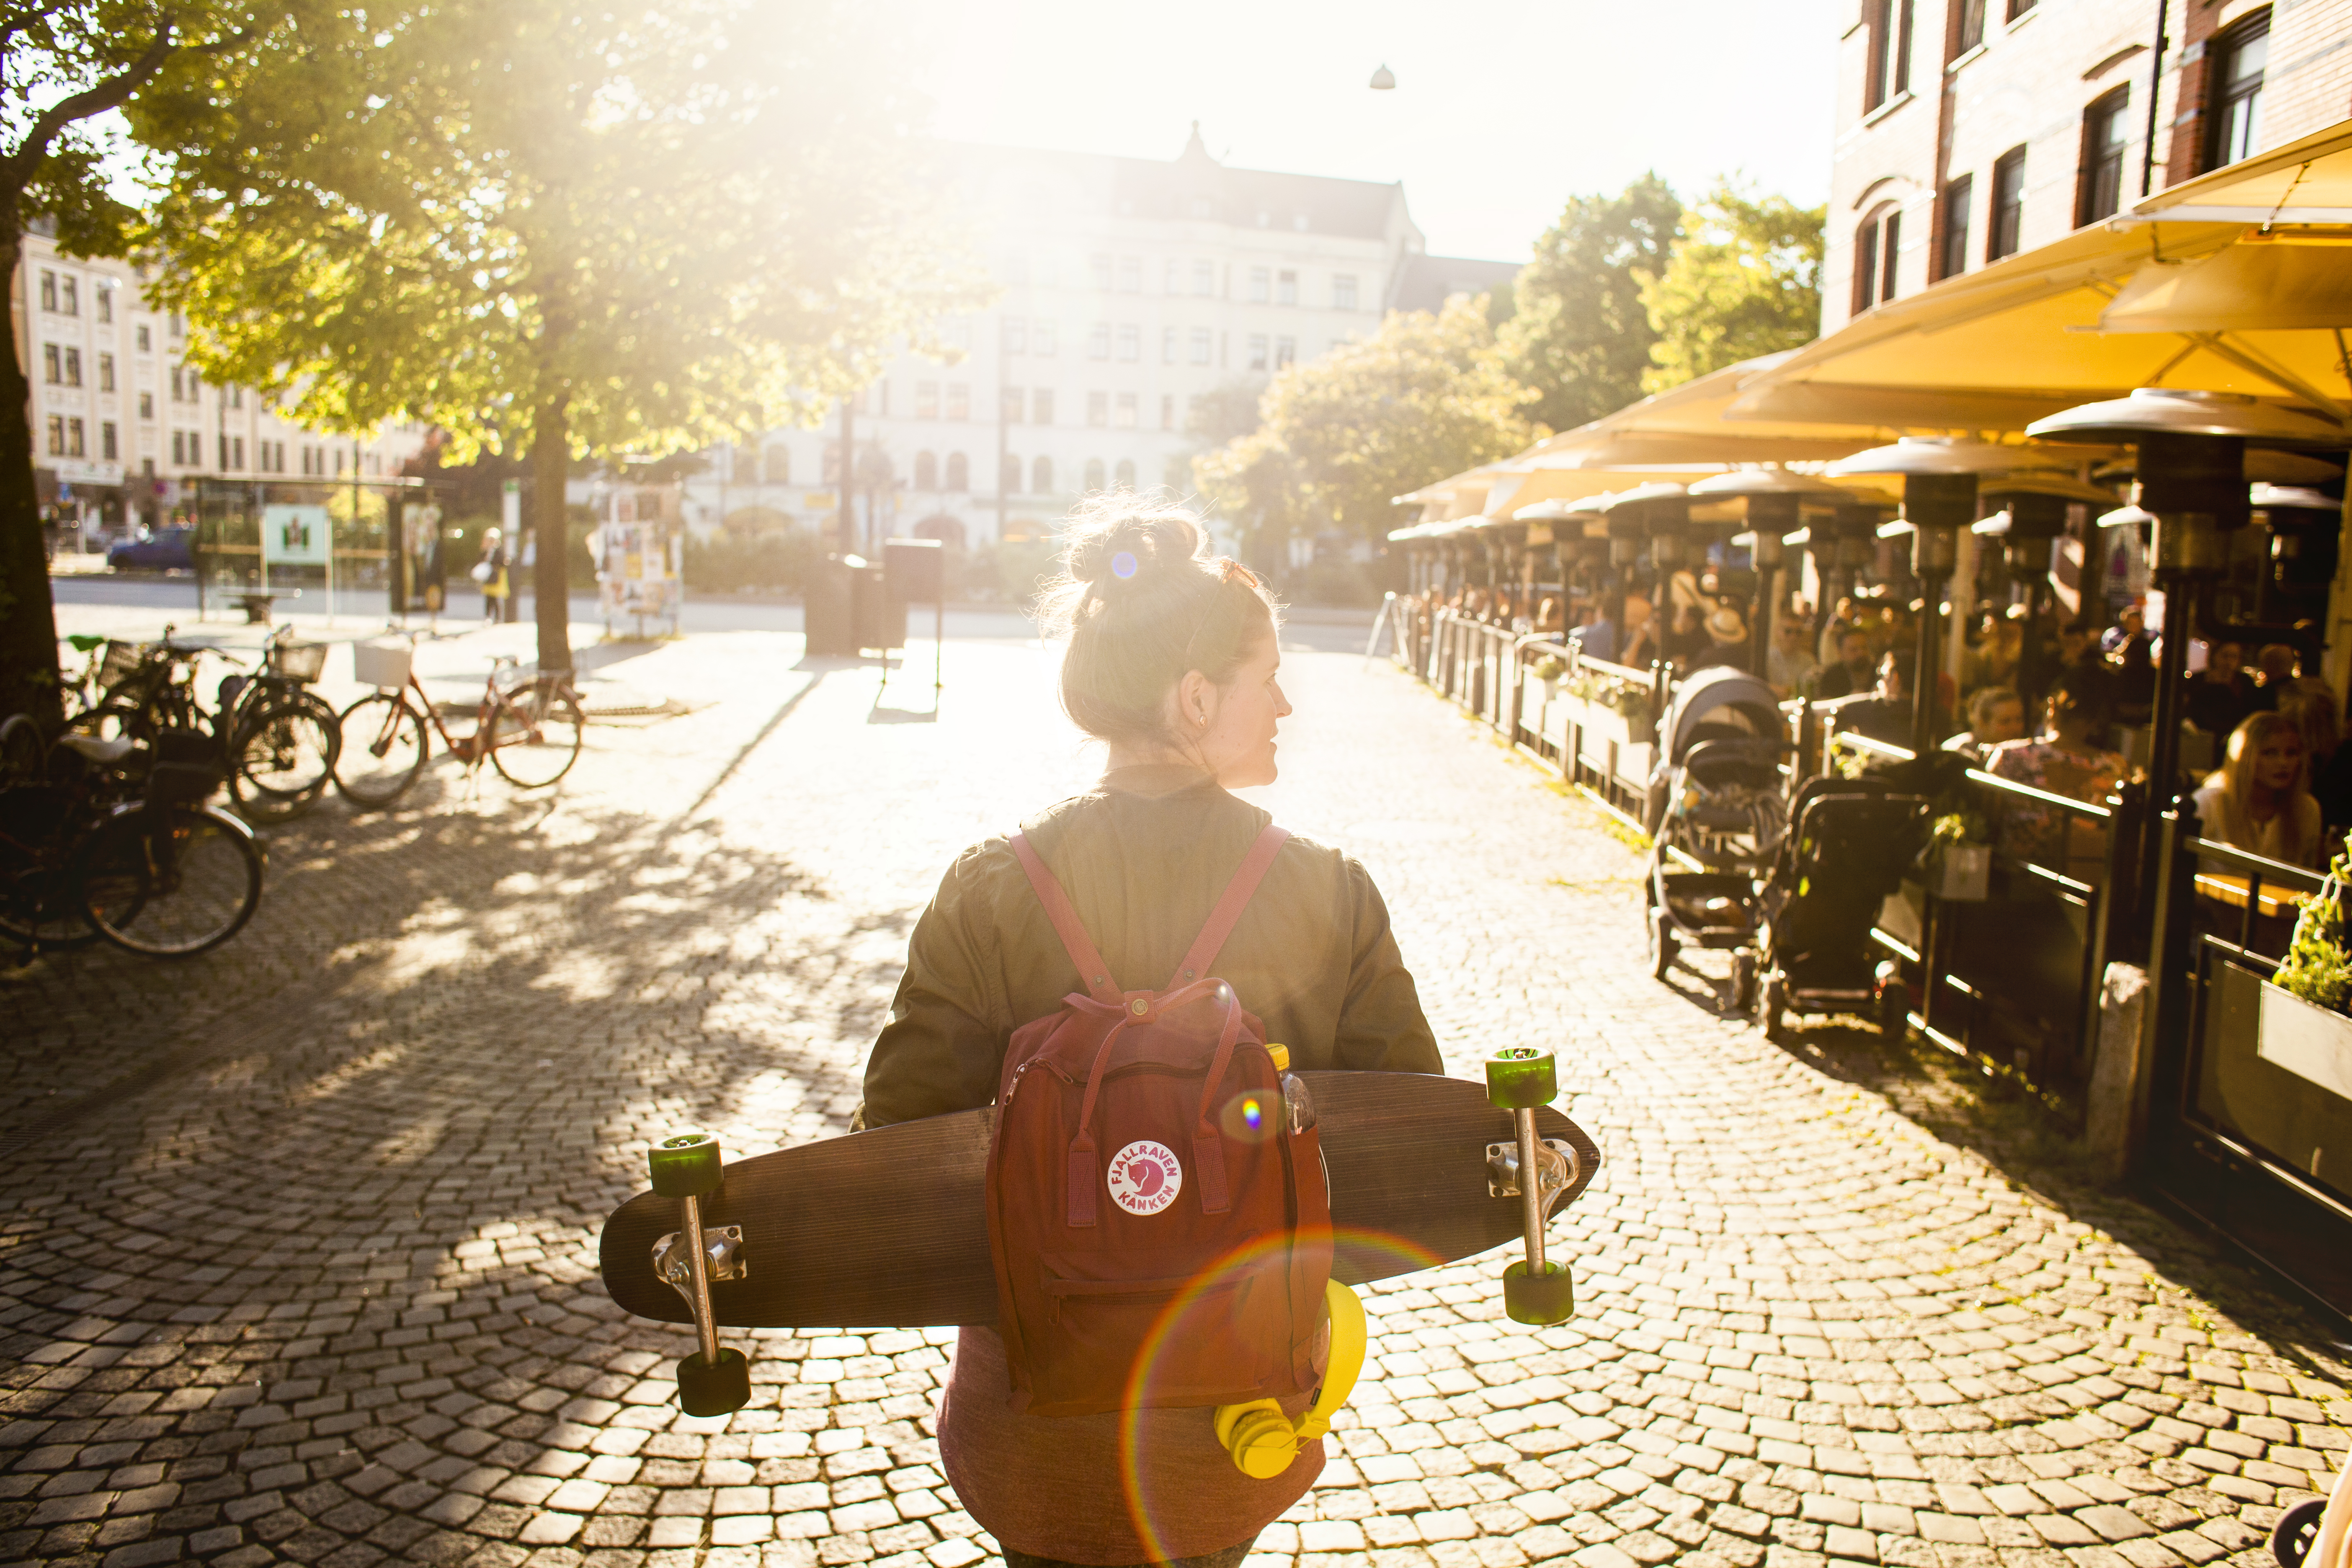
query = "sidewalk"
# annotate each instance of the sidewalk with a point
(299, 1250)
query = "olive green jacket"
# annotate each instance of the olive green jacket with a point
(1144, 856)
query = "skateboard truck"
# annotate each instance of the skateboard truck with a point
(1260, 1437)
(1518, 1080)
(716, 1380)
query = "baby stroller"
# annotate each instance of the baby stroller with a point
(1715, 818)
(1848, 844)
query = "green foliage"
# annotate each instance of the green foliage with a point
(774, 560)
(2318, 964)
(1578, 330)
(1010, 571)
(1743, 280)
(1550, 667)
(1340, 437)
(1960, 825)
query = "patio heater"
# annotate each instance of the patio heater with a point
(2192, 477)
(2034, 508)
(1659, 513)
(1775, 504)
(1940, 499)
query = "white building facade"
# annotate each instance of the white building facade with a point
(123, 431)
(1130, 290)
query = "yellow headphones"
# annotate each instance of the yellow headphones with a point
(1260, 1437)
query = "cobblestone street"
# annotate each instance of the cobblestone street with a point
(298, 1240)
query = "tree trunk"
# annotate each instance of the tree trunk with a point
(551, 464)
(29, 621)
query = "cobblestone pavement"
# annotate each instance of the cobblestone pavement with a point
(312, 1278)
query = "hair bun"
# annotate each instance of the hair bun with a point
(1119, 549)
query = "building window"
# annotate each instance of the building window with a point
(2018, 9)
(2234, 91)
(1094, 474)
(1101, 268)
(1343, 291)
(73, 367)
(1285, 288)
(74, 441)
(1960, 197)
(1041, 475)
(927, 471)
(104, 300)
(1877, 247)
(2106, 131)
(1168, 411)
(1201, 346)
(1040, 407)
(1098, 408)
(959, 400)
(1286, 351)
(178, 324)
(1890, 51)
(1010, 404)
(927, 400)
(776, 465)
(49, 290)
(52, 358)
(1016, 335)
(141, 340)
(110, 445)
(1041, 339)
(56, 436)
(1167, 345)
(1204, 279)
(1130, 275)
(1124, 419)
(1174, 277)
(236, 398)
(1260, 281)
(959, 471)
(1130, 343)
(1125, 477)
(106, 373)
(1099, 341)
(2008, 203)
(70, 296)
(1969, 32)
(1257, 350)
(146, 406)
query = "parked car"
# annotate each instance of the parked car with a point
(164, 550)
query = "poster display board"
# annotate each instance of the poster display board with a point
(641, 556)
(421, 578)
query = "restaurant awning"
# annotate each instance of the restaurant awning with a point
(2305, 182)
(1686, 425)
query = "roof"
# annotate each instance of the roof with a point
(1426, 282)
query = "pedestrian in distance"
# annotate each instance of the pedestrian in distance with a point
(492, 572)
(1172, 662)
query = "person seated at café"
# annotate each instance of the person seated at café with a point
(1855, 671)
(1547, 617)
(2222, 694)
(2312, 704)
(2274, 673)
(1788, 664)
(1994, 660)
(2078, 654)
(1885, 714)
(1996, 713)
(2260, 799)
(2064, 759)
(1726, 637)
(1638, 642)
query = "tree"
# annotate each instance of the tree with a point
(1745, 279)
(62, 66)
(1340, 437)
(1578, 332)
(571, 231)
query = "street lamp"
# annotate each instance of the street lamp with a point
(1773, 499)
(1940, 499)
(2192, 477)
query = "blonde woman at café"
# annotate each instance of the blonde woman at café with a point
(2260, 799)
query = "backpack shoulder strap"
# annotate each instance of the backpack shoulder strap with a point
(1228, 911)
(1093, 972)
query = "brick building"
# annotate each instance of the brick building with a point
(1968, 130)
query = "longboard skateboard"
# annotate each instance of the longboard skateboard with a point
(887, 1228)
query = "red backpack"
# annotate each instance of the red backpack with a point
(1162, 1230)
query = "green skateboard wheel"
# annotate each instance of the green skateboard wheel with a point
(685, 1165)
(1521, 1077)
(720, 1388)
(1551, 1299)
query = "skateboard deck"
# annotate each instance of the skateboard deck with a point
(888, 1228)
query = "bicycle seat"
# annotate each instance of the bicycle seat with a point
(95, 750)
(85, 642)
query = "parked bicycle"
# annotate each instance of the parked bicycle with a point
(527, 727)
(106, 838)
(277, 739)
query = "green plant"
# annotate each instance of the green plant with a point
(1631, 701)
(1960, 825)
(1551, 667)
(2318, 965)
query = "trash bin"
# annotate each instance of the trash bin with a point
(877, 620)
(914, 570)
(825, 610)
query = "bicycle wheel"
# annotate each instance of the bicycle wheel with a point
(535, 735)
(171, 884)
(379, 749)
(283, 757)
(23, 755)
(38, 908)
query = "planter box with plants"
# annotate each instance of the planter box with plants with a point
(2303, 1025)
(1958, 862)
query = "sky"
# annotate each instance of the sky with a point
(1501, 111)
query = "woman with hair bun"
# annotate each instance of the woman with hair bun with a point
(1171, 660)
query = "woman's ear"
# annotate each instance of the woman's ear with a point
(1196, 702)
